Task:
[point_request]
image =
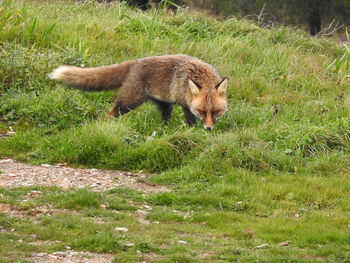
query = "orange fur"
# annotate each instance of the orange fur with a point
(171, 79)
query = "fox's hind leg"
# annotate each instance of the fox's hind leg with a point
(165, 109)
(128, 98)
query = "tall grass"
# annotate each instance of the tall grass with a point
(281, 149)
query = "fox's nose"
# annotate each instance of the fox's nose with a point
(208, 128)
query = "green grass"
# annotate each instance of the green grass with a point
(281, 150)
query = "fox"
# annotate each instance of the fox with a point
(165, 80)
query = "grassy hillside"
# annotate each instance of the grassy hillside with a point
(275, 168)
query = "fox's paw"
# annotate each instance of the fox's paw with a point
(108, 116)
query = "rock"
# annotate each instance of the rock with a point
(142, 212)
(33, 193)
(284, 243)
(6, 161)
(129, 245)
(11, 133)
(34, 237)
(39, 254)
(20, 241)
(45, 165)
(68, 247)
(182, 242)
(262, 246)
(148, 207)
(5, 208)
(122, 229)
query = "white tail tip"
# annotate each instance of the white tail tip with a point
(58, 73)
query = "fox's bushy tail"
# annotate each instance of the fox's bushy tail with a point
(93, 79)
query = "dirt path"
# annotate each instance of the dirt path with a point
(71, 256)
(16, 174)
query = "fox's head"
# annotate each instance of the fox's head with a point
(208, 103)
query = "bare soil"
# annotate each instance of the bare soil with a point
(16, 174)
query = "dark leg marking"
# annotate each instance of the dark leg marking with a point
(189, 116)
(165, 109)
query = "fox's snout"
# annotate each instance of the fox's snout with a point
(208, 123)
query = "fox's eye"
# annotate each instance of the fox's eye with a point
(202, 112)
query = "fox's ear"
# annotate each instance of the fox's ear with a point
(221, 87)
(194, 88)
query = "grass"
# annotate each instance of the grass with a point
(275, 167)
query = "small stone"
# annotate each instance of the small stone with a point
(129, 245)
(296, 215)
(11, 133)
(122, 229)
(5, 208)
(20, 241)
(45, 165)
(284, 243)
(142, 212)
(39, 254)
(68, 247)
(33, 193)
(262, 246)
(103, 206)
(59, 253)
(182, 242)
(34, 237)
(148, 207)
(6, 161)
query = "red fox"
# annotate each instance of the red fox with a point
(166, 80)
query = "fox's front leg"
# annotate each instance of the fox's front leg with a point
(165, 109)
(190, 118)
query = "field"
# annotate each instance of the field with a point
(274, 169)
